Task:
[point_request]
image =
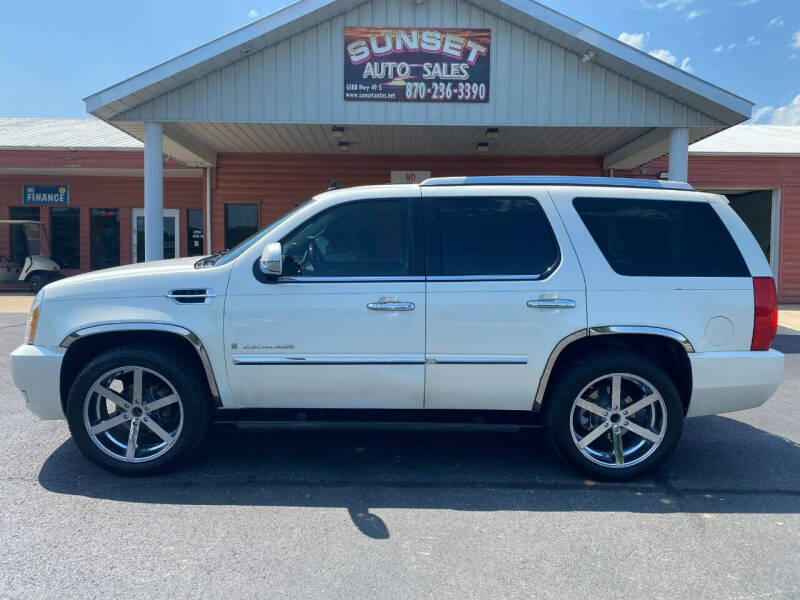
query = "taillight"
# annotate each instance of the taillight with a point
(765, 321)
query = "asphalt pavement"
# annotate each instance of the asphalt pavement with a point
(403, 515)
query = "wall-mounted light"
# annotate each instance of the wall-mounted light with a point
(589, 56)
(492, 133)
(337, 132)
(343, 146)
(482, 147)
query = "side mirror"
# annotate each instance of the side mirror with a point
(271, 262)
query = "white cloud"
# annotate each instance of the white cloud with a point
(686, 66)
(665, 55)
(636, 40)
(795, 40)
(760, 113)
(253, 14)
(693, 14)
(787, 115)
(747, 2)
(752, 41)
(662, 4)
(776, 22)
(719, 48)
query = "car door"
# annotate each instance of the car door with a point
(504, 287)
(344, 326)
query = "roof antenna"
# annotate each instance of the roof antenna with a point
(334, 185)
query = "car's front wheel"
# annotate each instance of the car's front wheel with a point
(614, 416)
(138, 410)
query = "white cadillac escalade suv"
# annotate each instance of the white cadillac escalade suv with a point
(605, 310)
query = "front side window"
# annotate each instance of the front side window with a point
(661, 238)
(489, 236)
(358, 239)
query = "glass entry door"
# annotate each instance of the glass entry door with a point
(171, 234)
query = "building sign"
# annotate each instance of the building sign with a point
(390, 64)
(410, 176)
(45, 194)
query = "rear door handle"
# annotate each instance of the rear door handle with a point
(552, 303)
(391, 306)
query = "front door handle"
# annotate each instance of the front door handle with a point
(552, 303)
(392, 305)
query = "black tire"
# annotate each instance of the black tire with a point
(37, 281)
(571, 381)
(186, 379)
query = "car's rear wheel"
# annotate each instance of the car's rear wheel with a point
(615, 416)
(138, 410)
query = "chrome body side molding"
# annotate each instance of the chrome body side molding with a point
(476, 359)
(643, 330)
(163, 327)
(604, 330)
(319, 359)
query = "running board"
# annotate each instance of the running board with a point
(381, 419)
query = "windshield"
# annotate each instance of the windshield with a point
(37, 240)
(227, 256)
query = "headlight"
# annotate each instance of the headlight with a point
(33, 318)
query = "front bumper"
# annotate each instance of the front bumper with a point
(36, 370)
(724, 382)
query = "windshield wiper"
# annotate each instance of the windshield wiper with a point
(211, 259)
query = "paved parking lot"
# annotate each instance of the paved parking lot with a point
(400, 515)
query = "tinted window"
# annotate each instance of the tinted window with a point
(359, 239)
(661, 238)
(65, 236)
(488, 236)
(241, 221)
(103, 238)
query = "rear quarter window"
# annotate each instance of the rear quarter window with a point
(661, 238)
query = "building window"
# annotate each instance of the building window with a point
(241, 221)
(19, 249)
(194, 232)
(104, 238)
(65, 236)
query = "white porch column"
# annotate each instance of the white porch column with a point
(679, 154)
(153, 192)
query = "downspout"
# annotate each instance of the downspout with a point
(208, 210)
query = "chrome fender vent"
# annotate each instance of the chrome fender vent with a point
(192, 296)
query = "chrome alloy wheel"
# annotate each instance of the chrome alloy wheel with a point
(618, 420)
(133, 414)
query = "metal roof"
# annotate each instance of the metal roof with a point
(752, 140)
(57, 134)
(558, 180)
(537, 18)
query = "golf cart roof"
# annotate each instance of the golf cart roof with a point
(18, 222)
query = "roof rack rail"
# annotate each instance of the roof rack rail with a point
(651, 184)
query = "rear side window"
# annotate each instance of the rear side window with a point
(661, 238)
(488, 236)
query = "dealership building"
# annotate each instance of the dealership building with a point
(197, 153)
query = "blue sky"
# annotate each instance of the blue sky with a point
(53, 52)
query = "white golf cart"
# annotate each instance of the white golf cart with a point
(37, 270)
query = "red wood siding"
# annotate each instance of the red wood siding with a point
(278, 182)
(85, 193)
